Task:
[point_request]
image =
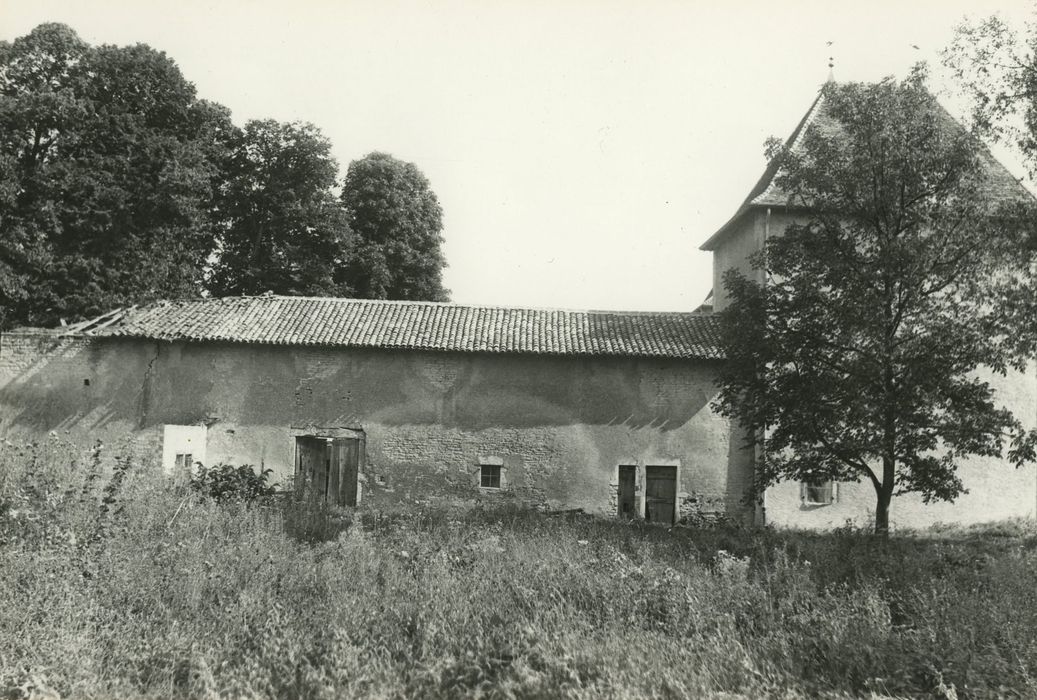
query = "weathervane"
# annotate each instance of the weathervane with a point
(831, 64)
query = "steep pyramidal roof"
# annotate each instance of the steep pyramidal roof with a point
(1000, 185)
(415, 325)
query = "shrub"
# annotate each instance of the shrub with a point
(225, 483)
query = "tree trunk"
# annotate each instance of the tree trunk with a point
(884, 494)
(882, 516)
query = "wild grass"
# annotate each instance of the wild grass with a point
(114, 583)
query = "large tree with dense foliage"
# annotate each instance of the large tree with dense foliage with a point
(108, 165)
(857, 358)
(119, 186)
(286, 232)
(398, 222)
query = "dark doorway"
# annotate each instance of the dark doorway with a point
(627, 488)
(660, 494)
(326, 469)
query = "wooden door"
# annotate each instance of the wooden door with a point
(311, 468)
(345, 460)
(660, 494)
(627, 491)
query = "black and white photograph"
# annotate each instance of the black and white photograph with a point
(511, 349)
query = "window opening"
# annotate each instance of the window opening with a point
(489, 476)
(818, 493)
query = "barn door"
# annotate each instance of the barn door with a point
(660, 494)
(326, 469)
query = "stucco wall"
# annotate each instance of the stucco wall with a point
(997, 490)
(745, 238)
(560, 426)
(64, 385)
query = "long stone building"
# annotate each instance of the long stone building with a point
(372, 400)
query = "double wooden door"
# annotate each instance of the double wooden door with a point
(326, 469)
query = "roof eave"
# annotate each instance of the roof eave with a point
(713, 242)
(693, 356)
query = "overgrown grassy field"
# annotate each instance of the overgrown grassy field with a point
(114, 583)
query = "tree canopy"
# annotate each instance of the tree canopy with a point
(118, 186)
(398, 222)
(107, 167)
(858, 357)
(285, 230)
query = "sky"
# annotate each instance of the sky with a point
(581, 150)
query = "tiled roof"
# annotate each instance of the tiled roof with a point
(766, 191)
(361, 323)
(1000, 186)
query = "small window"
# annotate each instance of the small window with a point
(819, 493)
(184, 462)
(489, 476)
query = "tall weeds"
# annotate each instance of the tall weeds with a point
(116, 584)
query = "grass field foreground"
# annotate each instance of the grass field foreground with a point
(115, 583)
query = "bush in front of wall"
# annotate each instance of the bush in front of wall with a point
(225, 483)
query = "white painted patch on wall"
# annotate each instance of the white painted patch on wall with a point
(182, 446)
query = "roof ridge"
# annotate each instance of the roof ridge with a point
(408, 302)
(985, 150)
(795, 140)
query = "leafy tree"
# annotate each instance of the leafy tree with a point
(119, 186)
(857, 359)
(108, 164)
(286, 232)
(398, 222)
(995, 65)
(38, 103)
